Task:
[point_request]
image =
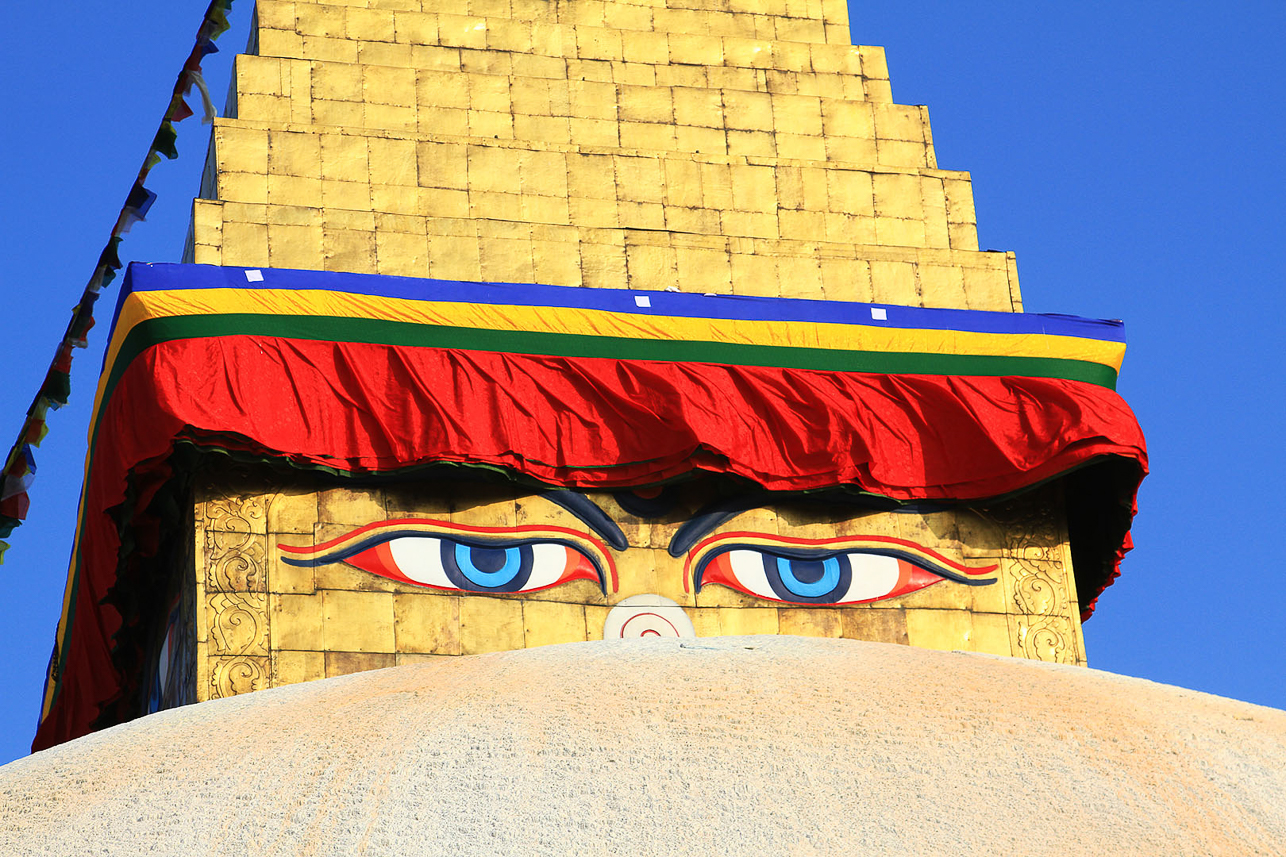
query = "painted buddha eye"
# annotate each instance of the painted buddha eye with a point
(475, 559)
(830, 571)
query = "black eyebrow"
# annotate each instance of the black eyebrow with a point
(712, 515)
(720, 511)
(590, 515)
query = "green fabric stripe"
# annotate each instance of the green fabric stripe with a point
(397, 333)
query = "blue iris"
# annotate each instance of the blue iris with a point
(808, 578)
(487, 568)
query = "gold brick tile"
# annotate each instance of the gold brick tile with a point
(598, 43)
(244, 150)
(899, 232)
(542, 129)
(284, 577)
(964, 236)
(693, 49)
(393, 54)
(650, 267)
(427, 622)
(347, 663)
(849, 228)
(391, 117)
(899, 153)
(357, 621)
(852, 149)
(944, 630)
(318, 19)
(846, 279)
(797, 114)
(800, 277)
(706, 271)
(490, 625)
(324, 49)
(805, 622)
(620, 16)
(897, 195)
(747, 53)
(462, 31)
(645, 104)
(339, 113)
(509, 35)
(689, 76)
(435, 58)
(753, 188)
(549, 622)
(275, 15)
(259, 75)
(746, 621)
(698, 107)
(357, 221)
(343, 157)
(877, 624)
(639, 179)
(603, 265)
(296, 667)
(454, 258)
(800, 30)
(348, 250)
(340, 194)
(280, 43)
(295, 621)
(594, 132)
(545, 209)
(894, 283)
(487, 124)
(747, 111)
(556, 263)
(942, 286)
(754, 275)
(245, 244)
(682, 182)
(416, 28)
(443, 165)
(293, 246)
(752, 143)
(985, 288)
(799, 147)
(392, 161)
(801, 225)
(596, 213)
(370, 25)
(401, 254)
(848, 118)
(708, 141)
(645, 47)
(442, 89)
(648, 135)
(272, 109)
(528, 65)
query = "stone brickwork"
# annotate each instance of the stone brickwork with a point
(751, 151)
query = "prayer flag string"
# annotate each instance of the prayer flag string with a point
(20, 464)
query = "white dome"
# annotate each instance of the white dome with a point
(736, 745)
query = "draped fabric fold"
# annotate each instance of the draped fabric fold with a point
(585, 388)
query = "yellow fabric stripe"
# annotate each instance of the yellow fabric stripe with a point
(570, 320)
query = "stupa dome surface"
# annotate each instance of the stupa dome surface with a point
(737, 745)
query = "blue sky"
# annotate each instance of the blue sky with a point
(1127, 152)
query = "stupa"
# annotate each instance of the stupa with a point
(557, 325)
(561, 321)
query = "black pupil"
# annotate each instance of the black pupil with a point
(807, 570)
(487, 559)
